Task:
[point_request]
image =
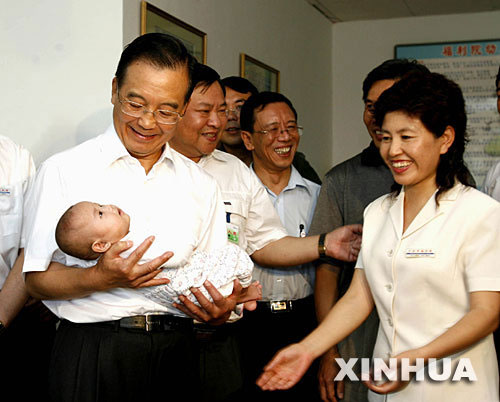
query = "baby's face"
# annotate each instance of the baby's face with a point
(106, 222)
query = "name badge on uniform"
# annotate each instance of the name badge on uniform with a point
(4, 190)
(420, 253)
(233, 233)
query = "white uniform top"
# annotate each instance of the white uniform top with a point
(421, 280)
(491, 184)
(176, 199)
(17, 172)
(247, 205)
(295, 206)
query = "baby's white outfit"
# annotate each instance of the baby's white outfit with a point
(220, 267)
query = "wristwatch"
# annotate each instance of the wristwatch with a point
(321, 245)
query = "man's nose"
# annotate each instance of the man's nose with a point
(232, 115)
(214, 120)
(147, 120)
(284, 135)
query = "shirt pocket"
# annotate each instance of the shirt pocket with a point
(236, 212)
(7, 200)
(10, 211)
(10, 231)
(236, 220)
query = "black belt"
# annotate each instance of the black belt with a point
(149, 323)
(284, 306)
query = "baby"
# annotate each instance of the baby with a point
(87, 230)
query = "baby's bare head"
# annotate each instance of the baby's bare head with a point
(86, 230)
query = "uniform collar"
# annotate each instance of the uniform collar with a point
(428, 213)
(216, 154)
(112, 148)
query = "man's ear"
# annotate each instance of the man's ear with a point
(114, 91)
(447, 139)
(182, 112)
(247, 140)
(100, 246)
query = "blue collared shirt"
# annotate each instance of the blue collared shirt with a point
(295, 206)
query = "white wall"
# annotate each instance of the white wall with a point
(288, 35)
(360, 46)
(58, 59)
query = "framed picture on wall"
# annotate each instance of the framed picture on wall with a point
(264, 77)
(473, 65)
(155, 20)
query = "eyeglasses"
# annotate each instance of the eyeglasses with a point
(161, 116)
(276, 131)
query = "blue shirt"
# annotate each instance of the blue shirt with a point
(295, 206)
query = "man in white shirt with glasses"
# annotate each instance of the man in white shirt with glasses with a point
(113, 343)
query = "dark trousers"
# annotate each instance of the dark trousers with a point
(219, 354)
(25, 348)
(99, 362)
(263, 333)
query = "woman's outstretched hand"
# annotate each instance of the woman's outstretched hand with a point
(286, 368)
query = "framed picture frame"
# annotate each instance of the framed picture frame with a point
(473, 65)
(264, 77)
(154, 19)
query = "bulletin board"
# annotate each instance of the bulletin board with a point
(473, 65)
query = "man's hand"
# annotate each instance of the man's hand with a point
(328, 370)
(214, 313)
(112, 271)
(344, 243)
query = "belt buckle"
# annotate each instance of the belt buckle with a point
(278, 306)
(151, 324)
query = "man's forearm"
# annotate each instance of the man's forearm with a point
(325, 289)
(60, 282)
(343, 244)
(13, 295)
(288, 251)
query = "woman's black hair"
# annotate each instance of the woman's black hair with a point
(438, 103)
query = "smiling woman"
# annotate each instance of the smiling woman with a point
(440, 113)
(420, 250)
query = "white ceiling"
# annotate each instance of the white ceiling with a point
(352, 10)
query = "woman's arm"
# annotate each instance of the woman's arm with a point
(481, 320)
(289, 365)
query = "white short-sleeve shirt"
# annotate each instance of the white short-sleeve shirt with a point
(176, 199)
(17, 172)
(249, 211)
(421, 279)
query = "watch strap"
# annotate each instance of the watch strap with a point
(321, 245)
